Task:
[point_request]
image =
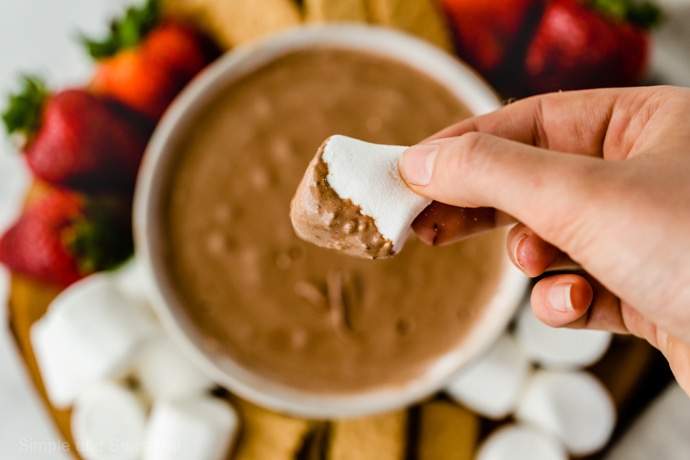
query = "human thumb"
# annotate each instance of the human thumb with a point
(541, 188)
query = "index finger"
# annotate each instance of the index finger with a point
(571, 122)
(440, 224)
(584, 122)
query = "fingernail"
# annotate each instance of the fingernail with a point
(560, 297)
(417, 163)
(517, 252)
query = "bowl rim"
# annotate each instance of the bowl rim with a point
(457, 77)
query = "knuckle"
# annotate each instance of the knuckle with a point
(464, 153)
(471, 143)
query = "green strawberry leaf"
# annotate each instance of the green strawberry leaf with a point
(25, 108)
(126, 32)
(641, 13)
(647, 15)
(100, 239)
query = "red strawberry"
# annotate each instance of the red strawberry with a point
(64, 236)
(147, 60)
(178, 48)
(587, 44)
(490, 34)
(76, 139)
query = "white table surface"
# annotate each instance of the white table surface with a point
(39, 36)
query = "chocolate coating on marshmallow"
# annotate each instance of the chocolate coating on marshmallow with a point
(353, 200)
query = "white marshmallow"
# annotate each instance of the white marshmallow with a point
(108, 423)
(165, 372)
(201, 428)
(367, 175)
(62, 378)
(95, 331)
(133, 281)
(520, 442)
(492, 384)
(574, 406)
(559, 348)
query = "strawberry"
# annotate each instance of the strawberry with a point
(63, 236)
(75, 139)
(490, 35)
(586, 44)
(148, 59)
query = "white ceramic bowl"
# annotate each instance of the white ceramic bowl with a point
(458, 78)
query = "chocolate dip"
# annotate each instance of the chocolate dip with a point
(296, 313)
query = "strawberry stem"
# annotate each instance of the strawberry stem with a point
(644, 14)
(101, 238)
(25, 108)
(125, 32)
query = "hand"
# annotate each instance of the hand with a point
(553, 163)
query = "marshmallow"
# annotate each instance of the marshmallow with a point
(363, 207)
(92, 331)
(62, 378)
(133, 281)
(164, 372)
(108, 423)
(201, 428)
(520, 442)
(574, 406)
(491, 385)
(559, 348)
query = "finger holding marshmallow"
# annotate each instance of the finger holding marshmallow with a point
(200, 428)
(491, 385)
(572, 405)
(352, 199)
(108, 423)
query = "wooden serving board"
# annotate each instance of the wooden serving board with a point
(28, 301)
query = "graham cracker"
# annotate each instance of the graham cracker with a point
(233, 22)
(195, 11)
(268, 435)
(422, 18)
(446, 432)
(315, 444)
(335, 11)
(379, 437)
